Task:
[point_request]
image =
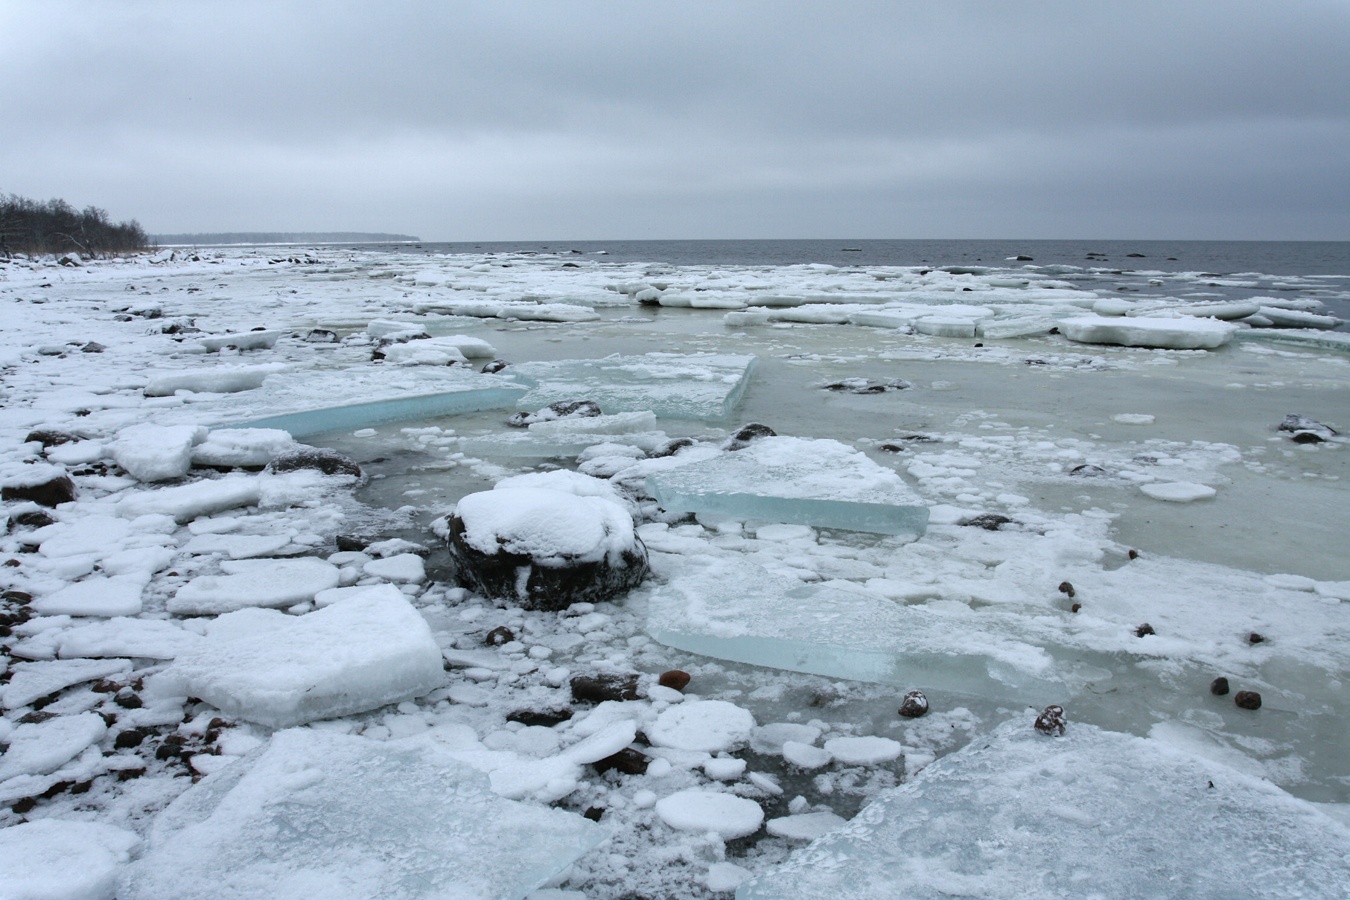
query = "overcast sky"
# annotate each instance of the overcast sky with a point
(496, 120)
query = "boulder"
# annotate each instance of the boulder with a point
(329, 462)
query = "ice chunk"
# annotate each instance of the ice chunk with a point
(279, 670)
(221, 380)
(302, 403)
(863, 751)
(707, 725)
(95, 596)
(697, 386)
(805, 756)
(238, 546)
(157, 452)
(242, 447)
(426, 352)
(243, 340)
(804, 826)
(1185, 333)
(254, 582)
(1177, 491)
(55, 859)
(316, 814)
(733, 609)
(40, 747)
(725, 815)
(137, 638)
(407, 568)
(186, 502)
(795, 481)
(946, 326)
(1091, 813)
(31, 680)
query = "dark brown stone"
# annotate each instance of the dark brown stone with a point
(495, 366)
(914, 705)
(132, 737)
(627, 762)
(498, 636)
(988, 521)
(1219, 686)
(349, 543)
(329, 462)
(675, 678)
(1066, 588)
(1134, 554)
(49, 493)
(1144, 630)
(50, 437)
(129, 700)
(1247, 699)
(747, 433)
(33, 518)
(544, 717)
(1051, 721)
(599, 688)
(1076, 607)
(1256, 638)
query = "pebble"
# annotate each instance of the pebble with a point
(914, 705)
(674, 679)
(1219, 686)
(1247, 699)
(1051, 721)
(1144, 630)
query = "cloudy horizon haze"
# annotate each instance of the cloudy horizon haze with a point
(481, 121)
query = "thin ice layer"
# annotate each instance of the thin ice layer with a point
(732, 609)
(279, 670)
(1091, 813)
(304, 404)
(313, 814)
(796, 481)
(702, 386)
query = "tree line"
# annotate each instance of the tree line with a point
(54, 226)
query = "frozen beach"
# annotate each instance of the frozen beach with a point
(319, 580)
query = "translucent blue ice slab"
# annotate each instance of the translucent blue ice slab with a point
(735, 610)
(796, 481)
(309, 403)
(702, 386)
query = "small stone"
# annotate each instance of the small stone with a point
(321, 336)
(1134, 554)
(914, 705)
(1256, 638)
(1066, 588)
(50, 493)
(1051, 721)
(988, 521)
(1087, 471)
(675, 678)
(50, 437)
(594, 813)
(495, 366)
(671, 447)
(1144, 630)
(1219, 686)
(498, 636)
(627, 762)
(349, 543)
(1076, 607)
(1247, 699)
(132, 737)
(546, 718)
(599, 688)
(747, 433)
(329, 462)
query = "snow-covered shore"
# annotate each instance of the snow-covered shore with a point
(232, 661)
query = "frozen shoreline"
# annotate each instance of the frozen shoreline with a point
(1085, 451)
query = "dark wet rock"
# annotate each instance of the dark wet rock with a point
(671, 447)
(988, 521)
(1133, 554)
(1305, 430)
(891, 447)
(594, 813)
(914, 705)
(128, 700)
(51, 437)
(1219, 686)
(132, 737)
(329, 462)
(321, 336)
(675, 678)
(866, 386)
(550, 584)
(33, 518)
(563, 409)
(1135, 255)
(36, 716)
(23, 598)
(1247, 700)
(1256, 638)
(494, 367)
(1144, 630)
(499, 636)
(48, 492)
(546, 718)
(1066, 588)
(627, 762)
(93, 347)
(747, 433)
(1051, 721)
(1087, 471)
(1021, 258)
(599, 688)
(1076, 607)
(350, 543)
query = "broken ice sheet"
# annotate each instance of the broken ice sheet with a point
(314, 814)
(795, 481)
(1092, 813)
(733, 609)
(702, 386)
(277, 670)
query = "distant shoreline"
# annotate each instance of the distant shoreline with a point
(278, 238)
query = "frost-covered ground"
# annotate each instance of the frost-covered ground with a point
(975, 491)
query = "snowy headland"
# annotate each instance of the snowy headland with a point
(385, 573)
